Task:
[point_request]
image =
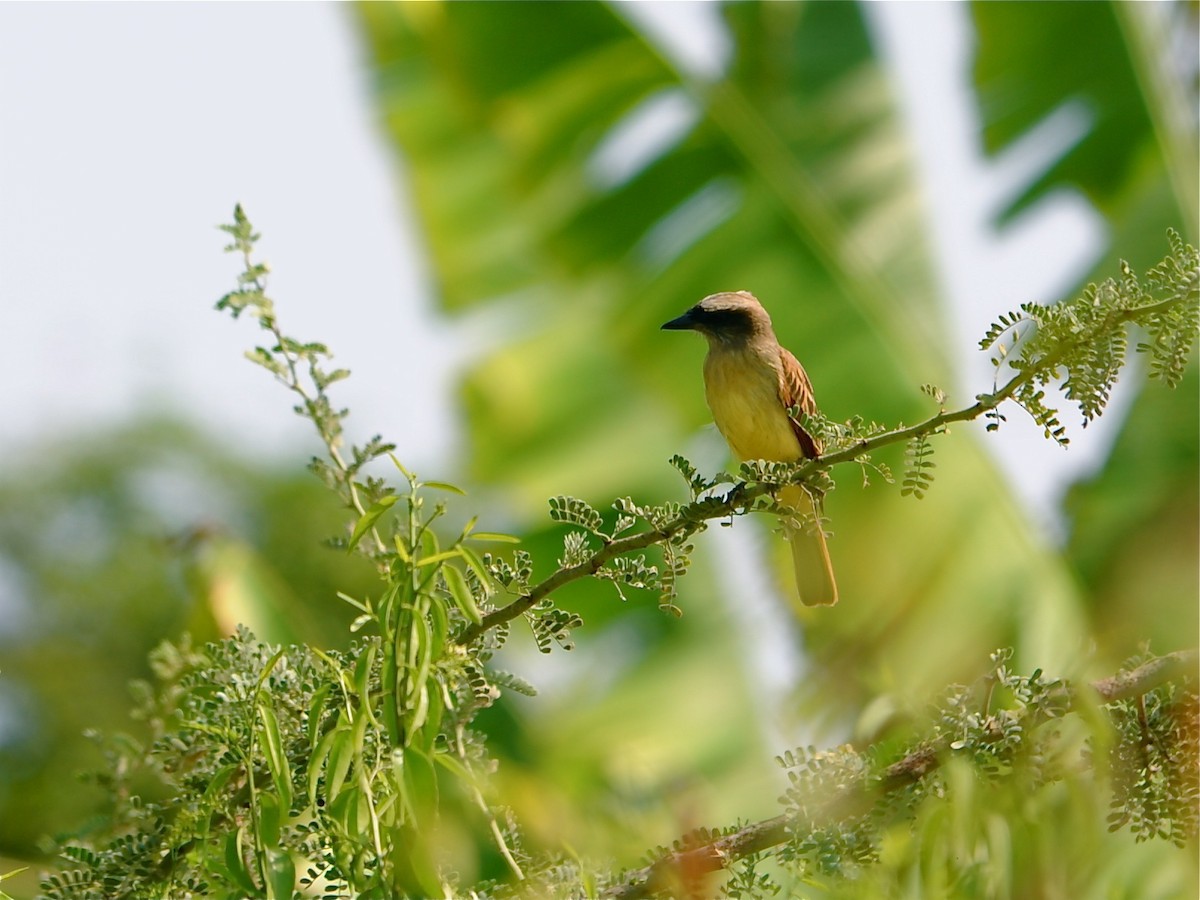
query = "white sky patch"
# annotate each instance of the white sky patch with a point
(1038, 256)
(773, 651)
(690, 33)
(689, 222)
(649, 131)
(127, 133)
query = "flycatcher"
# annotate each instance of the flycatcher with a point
(750, 382)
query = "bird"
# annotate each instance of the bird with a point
(750, 383)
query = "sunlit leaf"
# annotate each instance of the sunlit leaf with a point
(369, 518)
(444, 486)
(461, 593)
(277, 761)
(494, 536)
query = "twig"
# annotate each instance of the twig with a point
(724, 851)
(1147, 676)
(693, 515)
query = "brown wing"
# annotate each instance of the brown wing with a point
(796, 390)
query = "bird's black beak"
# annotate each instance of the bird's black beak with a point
(682, 323)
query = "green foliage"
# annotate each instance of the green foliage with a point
(748, 194)
(1172, 331)
(1109, 58)
(289, 770)
(279, 778)
(917, 467)
(790, 174)
(1086, 337)
(791, 179)
(111, 540)
(1009, 735)
(1155, 778)
(1007, 742)
(289, 767)
(300, 367)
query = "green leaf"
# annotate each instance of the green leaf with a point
(430, 546)
(439, 627)
(452, 553)
(316, 762)
(426, 738)
(420, 785)
(346, 744)
(1034, 58)
(401, 549)
(391, 700)
(347, 809)
(276, 756)
(235, 864)
(409, 476)
(461, 593)
(471, 558)
(269, 668)
(412, 862)
(417, 703)
(455, 766)
(362, 680)
(494, 536)
(212, 791)
(357, 604)
(444, 486)
(268, 820)
(369, 518)
(281, 874)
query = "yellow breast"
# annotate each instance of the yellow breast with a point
(742, 389)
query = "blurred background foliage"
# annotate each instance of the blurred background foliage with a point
(109, 545)
(791, 176)
(793, 179)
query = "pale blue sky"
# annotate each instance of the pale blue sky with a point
(127, 133)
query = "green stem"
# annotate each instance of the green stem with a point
(295, 384)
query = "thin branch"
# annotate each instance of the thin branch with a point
(1146, 677)
(724, 851)
(331, 437)
(738, 500)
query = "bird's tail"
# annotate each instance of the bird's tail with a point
(815, 583)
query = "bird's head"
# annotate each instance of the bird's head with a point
(729, 317)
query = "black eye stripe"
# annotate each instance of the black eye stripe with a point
(729, 321)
